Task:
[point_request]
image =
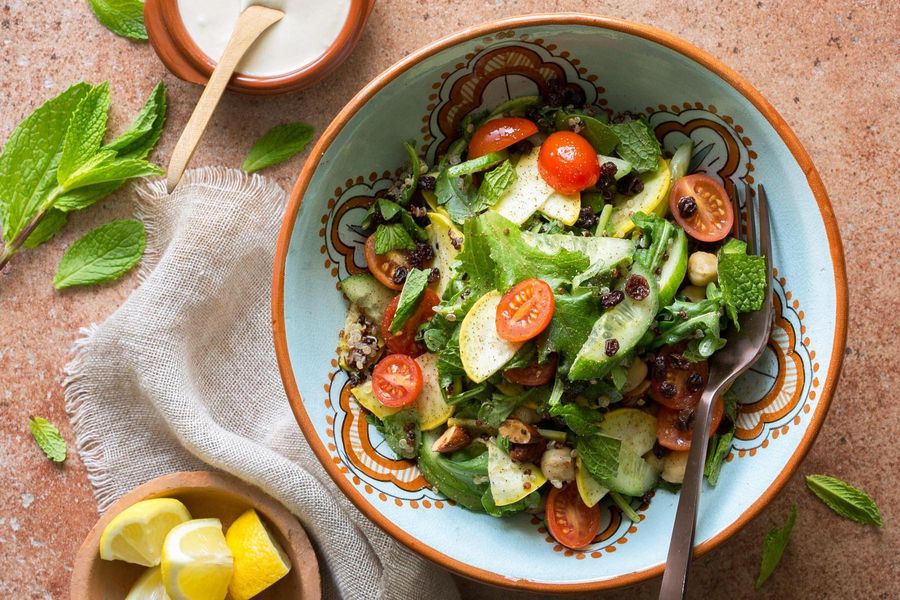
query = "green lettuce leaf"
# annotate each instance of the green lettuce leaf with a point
(573, 319)
(580, 419)
(495, 185)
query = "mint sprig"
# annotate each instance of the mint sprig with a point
(54, 162)
(48, 438)
(845, 500)
(122, 17)
(278, 145)
(104, 254)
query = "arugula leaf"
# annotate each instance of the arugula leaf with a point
(773, 547)
(637, 144)
(844, 499)
(685, 320)
(580, 419)
(48, 438)
(85, 132)
(497, 409)
(278, 145)
(104, 254)
(454, 479)
(715, 457)
(30, 158)
(392, 237)
(658, 231)
(413, 288)
(624, 504)
(743, 280)
(573, 318)
(145, 130)
(495, 185)
(123, 17)
(476, 165)
(600, 455)
(496, 257)
(47, 228)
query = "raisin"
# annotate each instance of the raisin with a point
(659, 367)
(637, 287)
(434, 275)
(695, 382)
(422, 255)
(610, 299)
(684, 420)
(427, 182)
(687, 206)
(630, 185)
(612, 347)
(586, 218)
(399, 275)
(659, 451)
(668, 389)
(678, 361)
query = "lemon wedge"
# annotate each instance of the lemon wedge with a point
(258, 559)
(149, 587)
(136, 534)
(196, 562)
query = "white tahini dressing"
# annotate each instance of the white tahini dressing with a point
(308, 28)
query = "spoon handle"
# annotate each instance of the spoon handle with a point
(252, 22)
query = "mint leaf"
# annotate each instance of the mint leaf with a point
(638, 145)
(844, 499)
(107, 169)
(48, 438)
(580, 419)
(278, 145)
(141, 136)
(81, 198)
(573, 319)
(85, 133)
(30, 158)
(122, 17)
(413, 288)
(104, 254)
(743, 281)
(457, 195)
(392, 237)
(52, 222)
(715, 458)
(496, 183)
(600, 455)
(773, 548)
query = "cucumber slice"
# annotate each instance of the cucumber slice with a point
(603, 252)
(510, 480)
(590, 491)
(432, 408)
(623, 167)
(481, 349)
(635, 476)
(368, 294)
(673, 269)
(681, 160)
(631, 426)
(627, 322)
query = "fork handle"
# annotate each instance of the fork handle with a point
(674, 582)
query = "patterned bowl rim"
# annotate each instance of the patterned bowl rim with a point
(652, 34)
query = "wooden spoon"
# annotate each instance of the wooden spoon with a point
(252, 22)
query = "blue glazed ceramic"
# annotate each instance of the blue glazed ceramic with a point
(684, 92)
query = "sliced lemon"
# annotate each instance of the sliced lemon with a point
(136, 534)
(149, 587)
(196, 562)
(258, 559)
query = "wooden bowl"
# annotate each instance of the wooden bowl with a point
(187, 61)
(206, 495)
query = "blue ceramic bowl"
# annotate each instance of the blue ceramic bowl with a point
(684, 92)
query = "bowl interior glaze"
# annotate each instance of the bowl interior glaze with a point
(618, 66)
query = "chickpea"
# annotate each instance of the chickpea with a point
(557, 464)
(636, 374)
(693, 293)
(703, 268)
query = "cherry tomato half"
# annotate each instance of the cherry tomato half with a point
(404, 341)
(702, 207)
(675, 436)
(397, 380)
(533, 374)
(568, 162)
(570, 521)
(525, 310)
(676, 382)
(497, 134)
(383, 266)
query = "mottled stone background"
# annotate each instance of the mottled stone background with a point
(831, 68)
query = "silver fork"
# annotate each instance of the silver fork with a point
(742, 350)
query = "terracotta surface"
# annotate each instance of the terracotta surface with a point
(206, 495)
(830, 70)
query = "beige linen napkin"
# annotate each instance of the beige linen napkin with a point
(183, 377)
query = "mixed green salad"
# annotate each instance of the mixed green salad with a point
(539, 312)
